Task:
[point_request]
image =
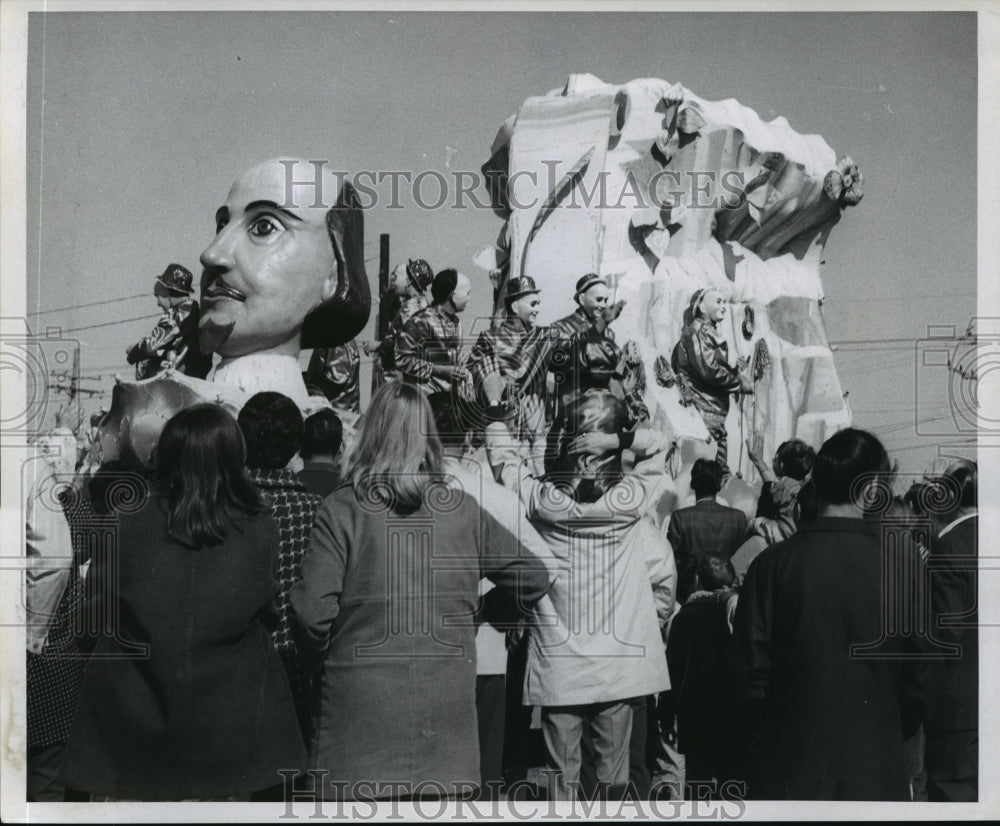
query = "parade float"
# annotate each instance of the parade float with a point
(664, 193)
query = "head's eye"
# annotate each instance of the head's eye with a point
(264, 226)
(220, 223)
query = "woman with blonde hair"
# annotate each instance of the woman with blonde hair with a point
(387, 603)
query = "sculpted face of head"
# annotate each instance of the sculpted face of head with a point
(271, 262)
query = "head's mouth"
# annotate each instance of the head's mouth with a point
(218, 288)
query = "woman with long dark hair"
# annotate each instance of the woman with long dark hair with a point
(185, 696)
(387, 601)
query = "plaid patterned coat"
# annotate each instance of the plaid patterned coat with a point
(431, 337)
(292, 507)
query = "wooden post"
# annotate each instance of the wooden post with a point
(381, 323)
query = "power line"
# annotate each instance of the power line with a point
(846, 349)
(859, 369)
(883, 430)
(918, 297)
(965, 338)
(111, 323)
(927, 447)
(91, 304)
(910, 340)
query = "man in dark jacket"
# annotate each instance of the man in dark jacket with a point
(952, 724)
(272, 427)
(835, 690)
(322, 439)
(704, 527)
(700, 676)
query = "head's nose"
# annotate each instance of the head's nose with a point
(217, 258)
(218, 255)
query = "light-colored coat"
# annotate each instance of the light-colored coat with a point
(597, 637)
(503, 505)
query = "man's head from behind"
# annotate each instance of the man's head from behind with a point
(850, 468)
(590, 477)
(714, 571)
(322, 436)
(961, 483)
(272, 428)
(794, 459)
(706, 478)
(451, 288)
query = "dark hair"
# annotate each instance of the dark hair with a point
(715, 571)
(322, 432)
(921, 494)
(451, 431)
(588, 478)
(443, 285)
(845, 462)
(796, 459)
(807, 504)
(706, 477)
(199, 470)
(115, 483)
(962, 482)
(272, 427)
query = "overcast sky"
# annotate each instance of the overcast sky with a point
(138, 123)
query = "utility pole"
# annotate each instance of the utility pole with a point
(69, 383)
(381, 323)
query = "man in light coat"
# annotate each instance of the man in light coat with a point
(602, 645)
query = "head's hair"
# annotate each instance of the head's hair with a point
(199, 470)
(443, 285)
(706, 477)
(796, 459)
(397, 454)
(322, 433)
(846, 462)
(344, 315)
(451, 431)
(714, 571)
(272, 427)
